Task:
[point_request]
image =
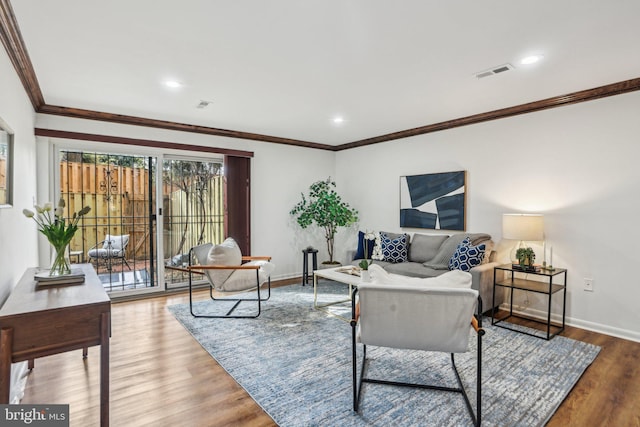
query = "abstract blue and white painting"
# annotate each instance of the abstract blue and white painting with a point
(434, 200)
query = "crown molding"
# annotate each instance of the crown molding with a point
(163, 124)
(531, 107)
(52, 133)
(14, 45)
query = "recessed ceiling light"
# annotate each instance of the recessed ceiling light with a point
(172, 83)
(338, 120)
(531, 59)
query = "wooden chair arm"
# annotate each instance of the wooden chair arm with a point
(224, 267)
(474, 323)
(185, 270)
(256, 258)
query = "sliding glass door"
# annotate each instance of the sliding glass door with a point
(118, 235)
(128, 197)
(193, 211)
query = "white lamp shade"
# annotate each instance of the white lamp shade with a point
(528, 227)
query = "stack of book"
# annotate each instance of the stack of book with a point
(526, 268)
(75, 277)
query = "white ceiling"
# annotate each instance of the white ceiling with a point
(286, 67)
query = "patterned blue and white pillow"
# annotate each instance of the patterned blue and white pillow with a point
(467, 256)
(394, 250)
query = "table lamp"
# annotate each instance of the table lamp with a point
(522, 227)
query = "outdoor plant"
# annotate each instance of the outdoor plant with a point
(324, 208)
(58, 231)
(525, 256)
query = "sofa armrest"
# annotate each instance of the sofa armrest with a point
(482, 281)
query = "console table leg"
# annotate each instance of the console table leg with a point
(6, 345)
(105, 322)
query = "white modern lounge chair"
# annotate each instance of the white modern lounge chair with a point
(113, 247)
(418, 316)
(228, 271)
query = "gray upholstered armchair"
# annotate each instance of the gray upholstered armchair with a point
(433, 314)
(112, 247)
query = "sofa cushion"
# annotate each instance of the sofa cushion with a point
(441, 260)
(467, 256)
(413, 269)
(241, 280)
(424, 247)
(395, 250)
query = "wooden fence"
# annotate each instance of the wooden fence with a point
(119, 201)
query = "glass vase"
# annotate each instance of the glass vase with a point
(60, 263)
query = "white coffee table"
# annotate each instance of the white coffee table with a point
(339, 275)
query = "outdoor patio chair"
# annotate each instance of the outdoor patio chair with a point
(227, 270)
(435, 315)
(113, 247)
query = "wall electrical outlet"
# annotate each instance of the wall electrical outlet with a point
(588, 284)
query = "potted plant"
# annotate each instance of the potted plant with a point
(526, 257)
(324, 208)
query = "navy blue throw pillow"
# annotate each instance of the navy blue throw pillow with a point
(360, 254)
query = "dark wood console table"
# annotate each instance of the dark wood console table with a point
(38, 321)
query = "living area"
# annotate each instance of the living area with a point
(575, 164)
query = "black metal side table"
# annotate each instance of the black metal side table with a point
(305, 263)
(548, 288)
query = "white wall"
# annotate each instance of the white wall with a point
(279, 173)
(18, 248)
(17, 233)
(578, 165)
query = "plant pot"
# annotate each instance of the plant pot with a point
(327, 264)
(365, 276)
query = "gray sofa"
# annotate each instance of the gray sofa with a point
(429, 255)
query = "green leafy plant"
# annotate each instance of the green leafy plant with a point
(525, 256)
(324, 208)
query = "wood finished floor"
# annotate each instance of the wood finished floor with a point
(160, 376)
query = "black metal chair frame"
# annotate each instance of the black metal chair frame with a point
(108, 260)
(199, 269)
(357, 384)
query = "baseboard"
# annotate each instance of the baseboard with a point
(577, 323)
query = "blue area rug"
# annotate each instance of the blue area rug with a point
(296, 363)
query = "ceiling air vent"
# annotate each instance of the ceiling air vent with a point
(494, 70)
(203, 104)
